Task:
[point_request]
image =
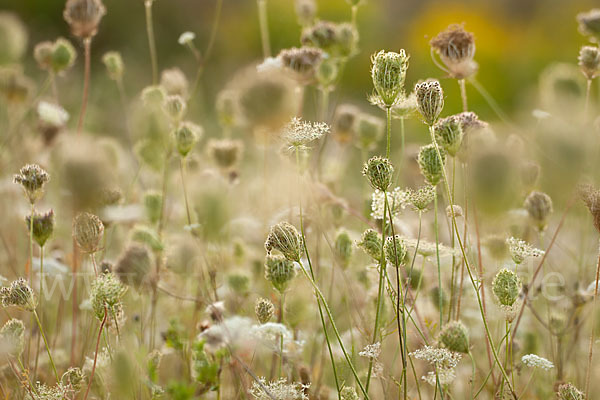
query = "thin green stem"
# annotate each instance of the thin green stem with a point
(182, 165)
(39, 324)
(41, 306)
(437, 256)
(29, 274)
(586, 108)
(264, 27)
(87, 46)
(151, 40)
(388, 113)
(591, 349)
(87, 391)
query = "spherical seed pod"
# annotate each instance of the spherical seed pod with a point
(87, 232)
(380, 172)
(343, 248)
(264, 310)
(456, 48)
(455, 337)
(175, 107)
(43, 226)
(539, 208)
(42, 53)
(396, 250)
(430, 100)
(12, 334)
(114, 65)
(303, 63)
(63, 55)
(134, 266)
(174, 82)
(370, 130)
(370, 242)
(186, 136)
(589, 24)
(83, 17)
(279, 271)
(421, 198)
(32, 179)
(388, 73)
(506, 287)
(13, 38)
(284, 237)
(589, 61)
(106, 294)
(430, 165)
(449, 134)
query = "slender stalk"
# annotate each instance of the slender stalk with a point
(591, 350)
(264, 27)
(41, 306)
(87, 49)
(30, 267)
(87, 391)
(39, 324)
(151, 40)
(354, 13)
(402, 135)
(463, 94)
(388, 113)
(437, 256)
(586, 108)
(182, 165)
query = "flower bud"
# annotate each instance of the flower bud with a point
(589, 61)
(567, 391)
(395, 250)
(388, 73)
(285, 238)
(539, 208)
(114, 65)
(370, 130)
(430, 164)
(370, 242)
(18, 294)
(449, 134)
(186, 136)
(264, 310)
(87, 232)
(83, 16)
(343, 248)
(422, 197)
(279, 271)
(506, 287)
(455, 337)
(63, 55)
(379, 171)
(32, 178)
(430, 100)
(13, 337)
(106, 294)
(175, 107)
(42, 228)
(73, 378)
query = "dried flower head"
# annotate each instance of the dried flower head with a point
(175, 107)
(430, 100)
(285, 238)
(589, 61)
(455, 337)
(449, 134)
(134, 265)
(430, 164)
(371, 351)
(73, 379)
(506, 286)
(106, 294)
(589, 24)
(18, 294)
(32, 178)
(278, 390)
(520, 250)
(301, 62)
(13, 337)
(422, 197)
(344, 122)
(279, 271)
(174, 82)
(567, 391)
(52, 118)
(338, 40)
(539, 208)
(42, 226)
(456, 48)
(349, 393)
(535, 361)
(591, 198)
(83, 17)
(370, 130)
(297, 134)
(388, 72)
(15, 87)
(87, 232)
(57, 56)
(454, 211)
(226, 153)
(396, 250)
(186, 136)
(370, 242)
(114, 65)
(379, 171)
(264, 310)
(306, 10)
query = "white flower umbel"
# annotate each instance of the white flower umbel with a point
(270, 64)
(371, 351)
(397, 200)
(186, 38)
(52, 114)
(273, 334)
(278, 390)
(521, 250)
(535, 361)
(442, 359)
(297, 134)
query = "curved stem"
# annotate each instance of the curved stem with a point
(151, 40)
(39, 324)
(87, 48)
(96, 354)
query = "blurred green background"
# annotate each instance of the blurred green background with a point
(515, 40)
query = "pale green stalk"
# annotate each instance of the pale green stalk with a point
(151, 40)
(264, 27)
(39, 324)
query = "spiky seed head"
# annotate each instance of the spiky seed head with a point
(506, 287)
(454, 210)
(225, 153)
(264, 310)
(175, 107)
(175, 82)
(422, 197)
(539, 208)
(568, 391)
(284, 237)
(134, 265)
(114, 65)
(306, 10)
(349, 393)
(303, 62)
(87, 232)
(73, 378)
(186, 136)
(338, 40)
(591, 198)
(153, 96)
(449, 134)
(430, 165)
(42, 54)
(456, 48)
(279, 271)
(18, 294)
(589, 61)
(430, 100)
(589, 24)
(388, 72)
(83, 17)
(238, 282)
(370, 242)
(343, 248)
(380, 172)
(13, 337)
(43, 226)
(344, 121)
(153, 205)
(106, 293)
(370, 130)
(455, 337)
(396, 250)
(32, 178)
(63, 55)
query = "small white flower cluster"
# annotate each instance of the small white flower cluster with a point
(428, 249)
(52, 114)
(445, 376)
(444, 361)
(397, 200)
(270, 64)
(371, 351)
(520, 250)
(535, 361)
(297, 134)
(186, 38)
(278, 390)
(271, 335)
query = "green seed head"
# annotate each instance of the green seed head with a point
(422, 197)
(134, 265)
(264, 310)
(369, 130)
(506, 286)
(449, 134)
(343, 248)
(455, 337)
(186, 137)
(285, 238)
(175, 107)
(13, 337)
(32, 179)
(539, 208)
(153, 205)
(388, 73)
(106, 293)
(370, 242)
(73, 378)
(279, 271)
(567, 391)
(114, 65)
(430, 100)
(349, 393)
(63, 55)
(238, 282)
(379, 171)
(430, 165)
(395, 250)
(18, 294)
(87, 232)
(43, 226)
